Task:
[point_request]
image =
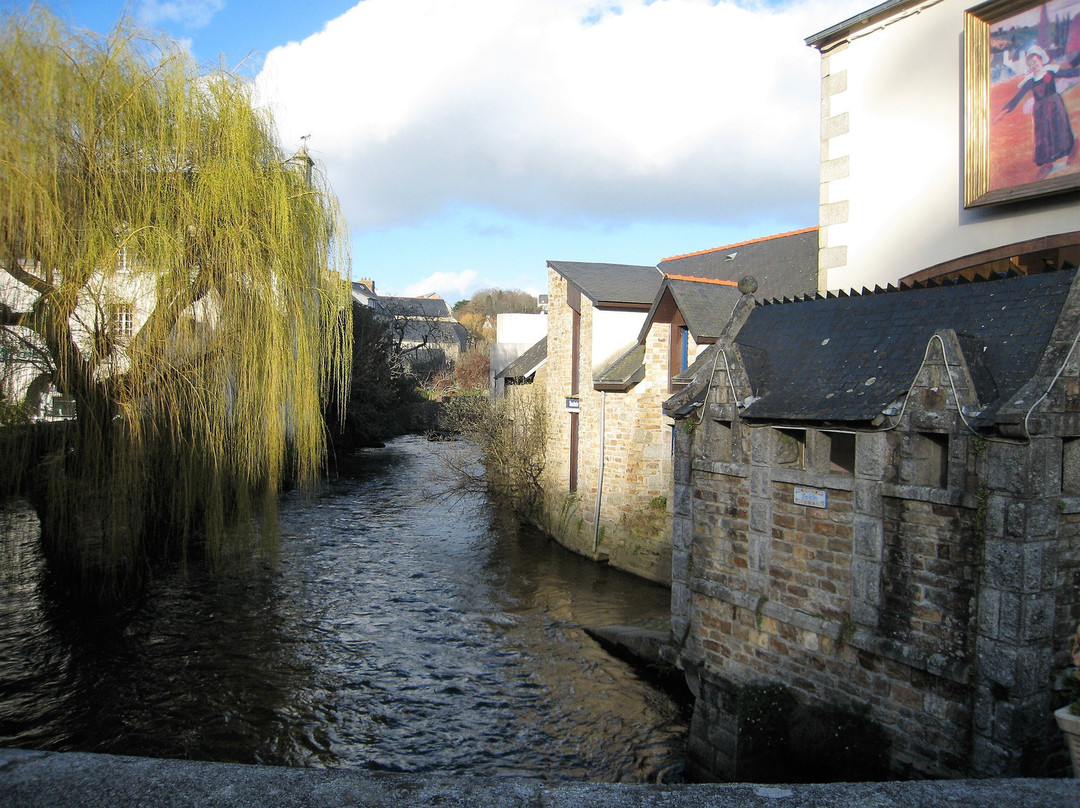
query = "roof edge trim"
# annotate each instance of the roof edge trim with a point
(694, 279)
(835, 32)
(742, 243)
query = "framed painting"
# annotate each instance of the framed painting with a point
(1022, 100)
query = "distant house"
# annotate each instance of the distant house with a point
(111, 311)
(363, 292)
(426, 338)
(877, 504)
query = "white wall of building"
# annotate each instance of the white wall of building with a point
(892, 181)
(514, 334)
(528, 328)
(613, 332)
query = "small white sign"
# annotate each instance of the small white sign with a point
(811, 497)
(573, 403)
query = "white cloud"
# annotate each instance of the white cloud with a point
(450, 286)
(561, 110)
(190, 13)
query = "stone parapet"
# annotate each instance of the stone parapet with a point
(66, 780)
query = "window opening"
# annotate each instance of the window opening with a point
(841, 452)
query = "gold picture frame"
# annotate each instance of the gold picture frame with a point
(1016, 54)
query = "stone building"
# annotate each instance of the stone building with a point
(598, 503)
(638, 328)
(877, 505)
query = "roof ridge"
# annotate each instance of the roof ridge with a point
(988, 277)
(742, 243)
(695, 279)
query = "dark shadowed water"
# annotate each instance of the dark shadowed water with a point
(396, 632)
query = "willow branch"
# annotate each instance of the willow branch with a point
(39, 285)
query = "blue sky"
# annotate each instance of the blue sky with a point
(470, 141)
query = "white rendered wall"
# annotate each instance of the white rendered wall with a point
(892, 199)
(529, 328)
(613, 332)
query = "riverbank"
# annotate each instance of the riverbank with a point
(64, 780)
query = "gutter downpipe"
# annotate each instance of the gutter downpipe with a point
(600, 475)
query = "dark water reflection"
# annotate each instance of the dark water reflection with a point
(396, 632)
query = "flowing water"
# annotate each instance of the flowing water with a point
(395, 632)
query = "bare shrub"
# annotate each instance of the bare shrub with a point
(510, 433)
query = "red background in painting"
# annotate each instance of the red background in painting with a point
(1012, 141)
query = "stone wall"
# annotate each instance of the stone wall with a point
(920, 576)
(625, 432)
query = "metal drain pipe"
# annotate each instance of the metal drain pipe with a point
(600, 474)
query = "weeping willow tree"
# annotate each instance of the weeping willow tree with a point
(177, 275)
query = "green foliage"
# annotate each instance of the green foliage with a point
(186, 281)
(759, 611)
(375, 408)
(11, 413)
(492, 302)
(658, 503)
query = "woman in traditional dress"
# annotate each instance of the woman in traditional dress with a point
(1054, 139)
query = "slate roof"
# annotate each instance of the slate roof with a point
(526, 364)
(611, 284)
(428, 307)
(362, 293)
(624, 372)
(783, 265)
(434, 332)
(705, 306)
(847, 358)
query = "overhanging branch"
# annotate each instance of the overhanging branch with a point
(28, 279)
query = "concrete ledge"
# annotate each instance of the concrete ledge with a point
(60, 780)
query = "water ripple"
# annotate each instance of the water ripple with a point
(395, 633)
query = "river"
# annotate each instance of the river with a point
(398, 630)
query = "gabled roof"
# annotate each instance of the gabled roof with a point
(527, 364)
(611, 284)
(362, 292)
(784, 264)
(703, 286)
(847, 358)
(624, 372)
(705, 305)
